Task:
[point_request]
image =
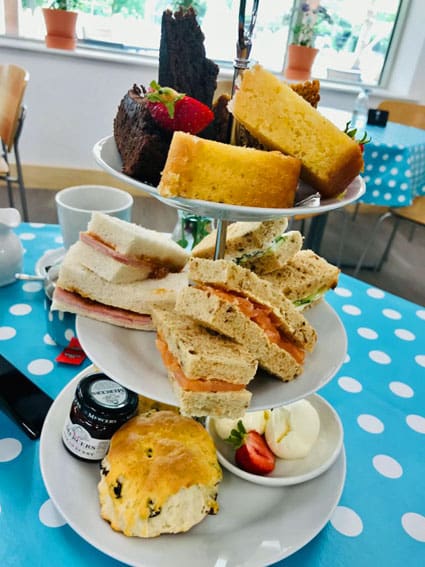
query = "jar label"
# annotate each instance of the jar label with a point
(108, 393)
(81, 443)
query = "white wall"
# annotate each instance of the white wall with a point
(72, 98)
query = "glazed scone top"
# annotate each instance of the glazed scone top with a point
(161, 453)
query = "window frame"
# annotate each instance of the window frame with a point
(101, 48)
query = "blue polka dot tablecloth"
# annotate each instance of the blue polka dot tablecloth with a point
(379, 393)
(394, 165)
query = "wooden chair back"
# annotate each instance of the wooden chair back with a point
(402, 112)
(13, 82)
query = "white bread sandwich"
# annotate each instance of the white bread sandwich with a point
(123, 252)
(83, 292)
(208, 372)
(161, 475)
(305, 278)
(235, 302)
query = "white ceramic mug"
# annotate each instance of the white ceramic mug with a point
(75, 206)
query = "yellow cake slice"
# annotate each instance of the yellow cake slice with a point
(282, 120)
(197, 168)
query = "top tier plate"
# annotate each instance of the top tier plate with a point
(106, 155)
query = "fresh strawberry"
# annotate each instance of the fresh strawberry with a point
(176, 111)
(252, 452)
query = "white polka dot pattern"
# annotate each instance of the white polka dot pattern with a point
(416, 422)
(10, 449)
(401, 389)
(399, 167)
(50, 516)
(347, 522)
(382, 391)
(370, 423)
(387, 466)
(350, 384)
(414, 525)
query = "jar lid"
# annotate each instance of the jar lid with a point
(103, 396)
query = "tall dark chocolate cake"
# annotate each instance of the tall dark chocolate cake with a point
(183, 64)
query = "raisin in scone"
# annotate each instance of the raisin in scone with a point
(160, 475)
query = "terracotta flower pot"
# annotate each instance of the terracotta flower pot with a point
(299, 62)
(60, 27)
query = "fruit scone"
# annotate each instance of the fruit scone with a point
(160, 475)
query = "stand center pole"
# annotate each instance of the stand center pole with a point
(220, 243)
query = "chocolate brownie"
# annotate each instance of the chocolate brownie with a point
(142, 144)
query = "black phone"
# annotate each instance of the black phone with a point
(22, 400)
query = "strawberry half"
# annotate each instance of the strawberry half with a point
(176, 111)
(252, 452)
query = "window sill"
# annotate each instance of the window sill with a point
(81, 52)
(123, 57)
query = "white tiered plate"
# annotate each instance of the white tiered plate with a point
(295, 471)
(131, 358)
(106, 155)
(255, 526)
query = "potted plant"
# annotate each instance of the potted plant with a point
(61, 21)
(301, 51)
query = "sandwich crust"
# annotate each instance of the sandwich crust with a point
(202, 354)
(242, 237)
(88, 287)
(161, 475)
(208, 362)
(275, 256)
(224, 317)
(304, 275)
(230, 277)
(122, 252)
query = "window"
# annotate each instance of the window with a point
(355, 42)
(356, 45)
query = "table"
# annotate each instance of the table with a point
(379, 394)
(394, 165)
(394, 161)
(394, 170)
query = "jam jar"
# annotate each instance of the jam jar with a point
(99, 408)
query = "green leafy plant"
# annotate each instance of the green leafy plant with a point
(306, 22)
(67, 5)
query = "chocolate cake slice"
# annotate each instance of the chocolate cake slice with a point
(142, 144)
(183, 64)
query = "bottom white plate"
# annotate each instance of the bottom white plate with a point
(255, 526)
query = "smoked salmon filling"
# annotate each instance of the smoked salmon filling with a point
(192, 384)
(263, 316)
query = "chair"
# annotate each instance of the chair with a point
(13, 82)
(410, 114)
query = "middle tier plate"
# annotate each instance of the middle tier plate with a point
(106, 155)
(130, 357)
